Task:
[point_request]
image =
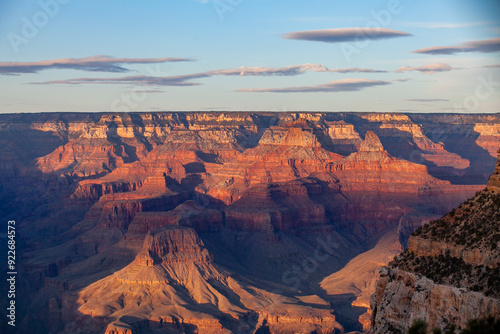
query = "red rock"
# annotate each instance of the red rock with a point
(187, 214)
(173, 269)
(172, 244)
(277, 206)
(371, 143)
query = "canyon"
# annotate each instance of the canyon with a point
(232, 222)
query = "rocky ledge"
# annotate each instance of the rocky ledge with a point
(450, 273)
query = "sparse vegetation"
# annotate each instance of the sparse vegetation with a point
(490, 325)
(445, 269)
(418, 327)
(474, 224)
(450, 330)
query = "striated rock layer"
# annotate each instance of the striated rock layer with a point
(450, 273)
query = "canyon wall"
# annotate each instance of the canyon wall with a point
(268, 213)
(450, 273)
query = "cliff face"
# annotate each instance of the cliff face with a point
(261, 209)
(401, 297)
(494, 181)
(450, 272)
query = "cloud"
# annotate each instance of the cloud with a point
(268, 71)
(430, 69)
(403, 79)
(428, 100)
(434, 25)
(92, 64)
(491, 66)
(184, 80)
(484, 46)
(343, 85)
(355, 69)
(345, 34)
(147, 91)
(179, 80)
(288, 70)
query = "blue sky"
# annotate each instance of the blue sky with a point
(250, 55)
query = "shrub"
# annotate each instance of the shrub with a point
(418, 327)
(489, 325)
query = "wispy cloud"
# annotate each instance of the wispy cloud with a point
(267, 71)
(343, 85)
(92, 64)
(491, 66)
(345, 34)
(430, 69)
(148, 91)
(184, 80)
(435, 25)
(288, 70)
(483, 46)
(179, 80)
(428, 100)
(355, 69)
(403, 79)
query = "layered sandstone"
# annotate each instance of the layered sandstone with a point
(188, 214)
(449, 273)
(344, 137)
(279, 206)
(373, 168)
(283, 154)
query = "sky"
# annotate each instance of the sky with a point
(250, 55)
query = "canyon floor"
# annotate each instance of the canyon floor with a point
(211, 222)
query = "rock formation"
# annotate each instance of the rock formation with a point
(450, 272)
(494, 181)
(174, 285)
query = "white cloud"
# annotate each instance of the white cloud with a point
(183, 80)
(430, 69)
(92, 63)
(483, 46)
